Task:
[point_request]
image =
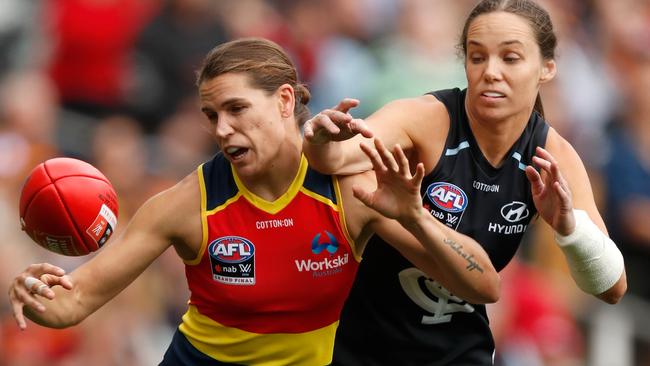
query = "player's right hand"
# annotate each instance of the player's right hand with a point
(335, 124)
(36, 280)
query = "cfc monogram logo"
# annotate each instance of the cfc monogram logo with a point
(436, 300)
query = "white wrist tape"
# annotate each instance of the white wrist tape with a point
(595, 262)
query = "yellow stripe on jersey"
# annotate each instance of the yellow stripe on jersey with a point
(204, 216)
(227, 344)
(282, 201)
(344, 224)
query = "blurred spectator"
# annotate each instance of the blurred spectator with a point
(345, 65)
(92, 41)
(28, 121)
(120, 152)
(182, 143)
(584, 83)
(21, 46)
(627, 174)
(419, 56)
(532, 322)
(168, 52)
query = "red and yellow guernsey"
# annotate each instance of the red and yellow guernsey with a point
(271, 278)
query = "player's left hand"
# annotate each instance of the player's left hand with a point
(398, 191)
(551, 193)
(335, 124)
(34, 282)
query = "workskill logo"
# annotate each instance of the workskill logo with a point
(324, 248)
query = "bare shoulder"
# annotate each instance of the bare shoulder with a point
(562, 150)
(425, 122)
(425, 108)
(574, 171)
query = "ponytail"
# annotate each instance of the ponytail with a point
(302, 98)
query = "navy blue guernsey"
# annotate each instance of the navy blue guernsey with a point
(395, 314)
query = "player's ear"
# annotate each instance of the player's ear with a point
(549, 69)
(286, 100)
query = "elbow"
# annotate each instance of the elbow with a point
(486, 292)
(492, 291)
(616, 292)
(611, 297)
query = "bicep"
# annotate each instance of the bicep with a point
(396, 123)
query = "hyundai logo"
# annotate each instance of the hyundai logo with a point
(514, 211)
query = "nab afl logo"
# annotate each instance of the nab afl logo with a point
(447, 197)
(231, 249)
(232, 260)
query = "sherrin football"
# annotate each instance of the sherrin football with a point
(68, 206)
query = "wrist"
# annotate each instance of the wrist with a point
(595, 262)
(416, 220)
(568, 235)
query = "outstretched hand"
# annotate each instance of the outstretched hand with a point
(551, 193)
(398, 192)
(36, 280)
(335, 124)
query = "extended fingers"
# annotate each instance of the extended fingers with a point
(318, 123)
(545, 161)
(386, 156)
(419, 174)
(402, 161)
(41, 268)
(536, 182)
(346, 104)
(563, 194)
(375, 158)
(358, 125)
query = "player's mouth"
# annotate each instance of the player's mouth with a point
(235, 153)
(492, 95)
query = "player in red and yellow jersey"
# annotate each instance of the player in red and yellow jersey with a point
(270, 246)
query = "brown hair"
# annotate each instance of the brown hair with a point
(266, 63)
(539, 20)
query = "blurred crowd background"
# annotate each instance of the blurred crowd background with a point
(112, 82)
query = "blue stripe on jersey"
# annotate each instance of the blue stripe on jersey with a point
(454, 151)
(517, 156)
(320, 184)
(182, 353)
(219, 181)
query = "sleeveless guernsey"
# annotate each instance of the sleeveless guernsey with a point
(395, 315)
(272, 277)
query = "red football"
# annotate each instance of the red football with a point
(68, 206)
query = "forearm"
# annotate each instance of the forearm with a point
(458, 262)
(595, 262)
(326, 158)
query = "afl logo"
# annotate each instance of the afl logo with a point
(447, 196)
(231, 249)
(514, 211)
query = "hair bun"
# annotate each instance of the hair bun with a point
(302, 94)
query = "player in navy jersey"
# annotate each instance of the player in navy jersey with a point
(492, 165)
(270, 246)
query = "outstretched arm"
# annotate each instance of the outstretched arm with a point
(455, 260)
(419, 125)
(564, 199)
(324, 133)
(53, 299)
